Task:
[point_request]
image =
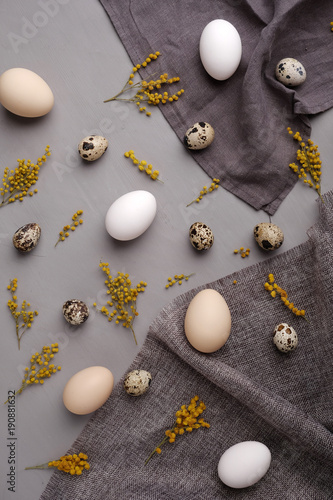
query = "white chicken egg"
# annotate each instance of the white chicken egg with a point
(220, 49)
(130, 215)
(244, 464)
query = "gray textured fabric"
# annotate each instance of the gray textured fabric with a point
(252, 392)
(251, 110)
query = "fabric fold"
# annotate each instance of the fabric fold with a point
(251, 390)
(250, 111)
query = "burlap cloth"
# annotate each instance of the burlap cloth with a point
(252, 392)
(251, 110)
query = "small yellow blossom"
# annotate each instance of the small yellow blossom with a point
(178, 278)
(186, 420)
(143, 166)
(148, 91)
(74, 224)
(214, 185)
(121, 305)
(308, 157)
(40, 367)
(242, 251)
(273, 288)
(23, 318)
(20, 182)
(71, 464)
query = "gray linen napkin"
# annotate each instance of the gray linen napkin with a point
(251, 110)
(251, 390)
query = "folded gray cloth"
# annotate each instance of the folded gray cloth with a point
(252, 391)
(250, 111)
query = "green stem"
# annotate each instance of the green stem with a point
(10, 195)
(320, 196)
(124, 89)
(112, 98)
(42, 466)
(191, 203)
(188, 276)
(18, 335)
(133, 334)
(4, 201)
(17, 392)
(164, 440)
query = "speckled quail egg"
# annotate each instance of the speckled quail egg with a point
(268, 235)
(290, 72)
(201, 236)
(93, 147)
(75, 311)
(137, 382)
(26, 237)
(285, 338)
(199, 136)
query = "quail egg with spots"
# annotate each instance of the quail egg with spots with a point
(75, 311)
(137, 382)
(285, 337)
(199, 136)
(201, 236)
(268, 236)
(26, 237)
(92, 147)
(290, 72)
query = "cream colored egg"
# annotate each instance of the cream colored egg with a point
(88, 390)
(25, 93)
(207, 321)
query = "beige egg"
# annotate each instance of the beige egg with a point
(88, 390)
(25, 93)
(207, 321)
